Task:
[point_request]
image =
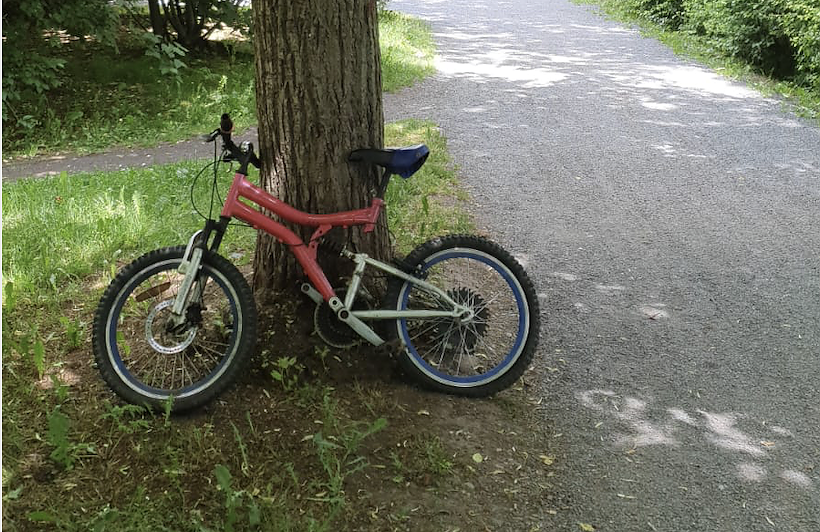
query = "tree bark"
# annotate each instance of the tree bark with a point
(318, 92)
(157, 19)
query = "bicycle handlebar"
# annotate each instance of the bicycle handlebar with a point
(244, 154)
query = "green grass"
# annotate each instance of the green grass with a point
(62, 229)
(430, 202)
(800, 100)
(63, 239)
(110, 100)
(407, 50)
(113, 99)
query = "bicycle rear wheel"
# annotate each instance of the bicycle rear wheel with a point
(481, 355)
(147, 360)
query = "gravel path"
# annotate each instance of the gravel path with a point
(670, 219)
(114, 160)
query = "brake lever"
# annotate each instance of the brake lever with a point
(211, 136)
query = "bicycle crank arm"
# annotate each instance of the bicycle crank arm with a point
(354, 323)
(312, 293)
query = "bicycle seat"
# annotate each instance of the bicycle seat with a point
(402, 161)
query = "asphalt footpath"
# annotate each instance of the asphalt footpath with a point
(670, 219)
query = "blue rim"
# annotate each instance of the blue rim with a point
(114, 353)
(514, 353)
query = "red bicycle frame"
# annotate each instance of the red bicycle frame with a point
(241, 188)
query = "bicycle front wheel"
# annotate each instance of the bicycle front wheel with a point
(148, 359)
(484, 353)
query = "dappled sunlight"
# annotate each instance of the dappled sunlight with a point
(723, 433)
(480, 71)
(662, 77)
(638, 425)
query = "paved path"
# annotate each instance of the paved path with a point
(670, 218)
(168, 152)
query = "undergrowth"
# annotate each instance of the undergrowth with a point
(121, 98)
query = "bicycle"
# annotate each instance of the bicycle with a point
(179, 324)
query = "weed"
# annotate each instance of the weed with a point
(60, 388)
(250, 423)
(398, 466)
(65, 452)
(322, 352)
(167, 407)
(235, 501)
(128, 419)
(38, 355)
(73, 331)
(9, 297)
(243, 450)
(287, 372)
(337, 450)
(437, 460)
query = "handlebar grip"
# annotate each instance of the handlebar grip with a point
(226, 124)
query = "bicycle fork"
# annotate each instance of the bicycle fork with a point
(190, 266)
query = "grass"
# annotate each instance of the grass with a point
(74, 461)
(111, 99)
(800, 100)
(429, 202)
(407, 50)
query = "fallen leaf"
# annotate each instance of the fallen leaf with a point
(767, 443)
(586, 528)
(548, 460)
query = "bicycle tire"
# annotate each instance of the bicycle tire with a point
(145, 363)
(504, 303)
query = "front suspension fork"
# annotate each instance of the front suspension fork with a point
(192, 264)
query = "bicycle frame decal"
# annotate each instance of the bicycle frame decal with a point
(241, 188)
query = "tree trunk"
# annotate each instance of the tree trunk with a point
(318, 92)
(157, 19)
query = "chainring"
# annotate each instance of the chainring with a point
(333, 332)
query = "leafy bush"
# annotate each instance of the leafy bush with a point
(668, 13)
(779, 37)
(32, 32)
(801, 23)
(751, 30)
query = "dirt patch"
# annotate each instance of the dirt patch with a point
(346, 444)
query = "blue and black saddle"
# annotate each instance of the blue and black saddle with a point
(401, 161)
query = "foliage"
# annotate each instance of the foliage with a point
(778, 37)
(190, 23)
(32, 32)
(667, 13)
(168, 55)
(125, 98)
